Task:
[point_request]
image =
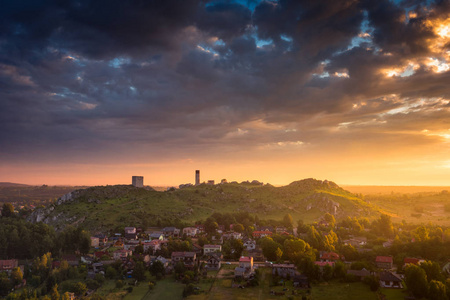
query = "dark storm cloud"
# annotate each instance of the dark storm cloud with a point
(157, 74)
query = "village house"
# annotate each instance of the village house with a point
(200, 228)
(232, 235)
(121, 254)
(157, 235)
(322, 264)
(171, 232)
(211, 249)
(100, 254)
(213, 262)
(301, 281)
(190, 231)
(8, 265)
(163, 260)
(412, 261)
(130, 233)
(188, 258)
(152, 246)
(359, 274)
(384, 262)
(103, 239)
(95, 242)
(130, 245)
(197, 249)
(250, 245)
(260, 234)
(118, 244)
(284, 270)
(280, 229)
(390, 280)
(329, 256)
(245, 268)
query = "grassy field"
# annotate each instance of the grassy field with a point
(344, 291)
(167, 288)
(394, 294)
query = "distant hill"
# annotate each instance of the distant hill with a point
(375, 189)
(107, 207)
(11, 184)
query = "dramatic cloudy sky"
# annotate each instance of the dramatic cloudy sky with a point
(354, 91)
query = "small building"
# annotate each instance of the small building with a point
(171, 232)
(284, 270)
(188, 258)
(130, 233)
(250, 245)
(213, 262)
(122, 254)
(164, 261)
(100, 254)
(211, 249)
(384, 262)
(359, 274)
(95, 242)
(390, 280)
(210, 182)
(158, 235)
(8, 265)
(412, 261)
(103, 239)
(245, 268)
(301, 281)
(322, 264)
(260, 234)
(329, 256)
(232, 235)
(246, 262)
(152, 246)
(190, 231)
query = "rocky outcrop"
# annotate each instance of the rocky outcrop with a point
(323, 202)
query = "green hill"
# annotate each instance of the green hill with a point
(106, 207)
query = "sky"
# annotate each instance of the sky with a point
(355, 91)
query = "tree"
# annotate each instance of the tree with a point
(329, 218)
(7, 210)
(16, 276)
(288, 221)
(79, 288)
(385, 225)
(157, 267)
(110, 272)
(211, 226)
(238, 228)
(278, 254)
(139, 271)
(54, 293)
(437, 290)
(433, 270)
(5, 286)
(416, 281)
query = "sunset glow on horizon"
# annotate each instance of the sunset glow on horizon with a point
(355, 92)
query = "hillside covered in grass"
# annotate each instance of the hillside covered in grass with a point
(107, 207)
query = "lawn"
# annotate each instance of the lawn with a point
(167, 288)
(139, 292)
(344, 291)
(394, 294)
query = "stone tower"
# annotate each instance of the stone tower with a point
(197, 177)
(137, 181)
